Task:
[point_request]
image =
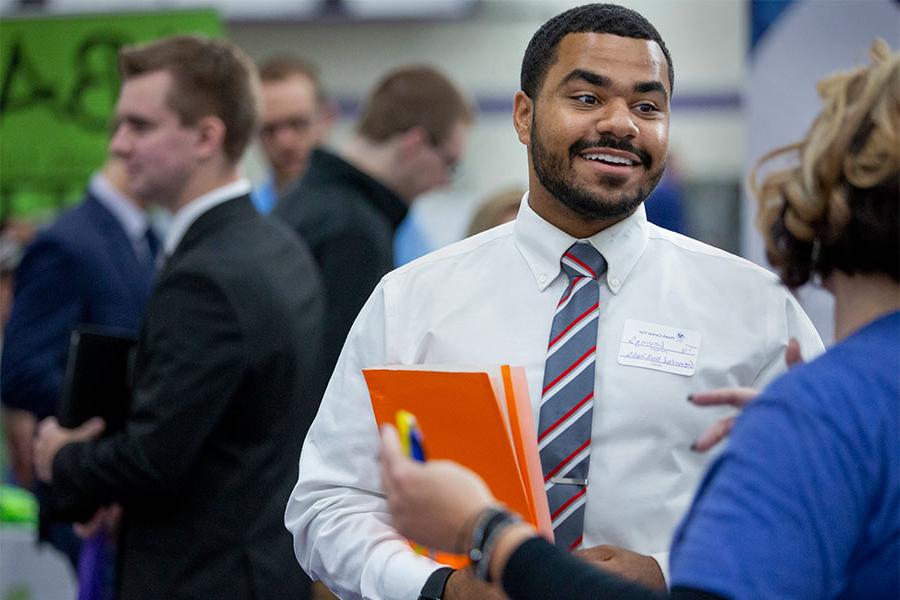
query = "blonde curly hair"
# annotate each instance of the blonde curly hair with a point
(837, 208)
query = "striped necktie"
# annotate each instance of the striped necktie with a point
(567, 398)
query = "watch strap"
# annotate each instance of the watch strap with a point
(435, 584)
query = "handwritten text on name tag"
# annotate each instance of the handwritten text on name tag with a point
(659, 347)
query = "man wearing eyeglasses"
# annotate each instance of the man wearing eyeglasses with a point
(296, 117)
(411, 135)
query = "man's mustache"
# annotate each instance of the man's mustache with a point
(613, 143)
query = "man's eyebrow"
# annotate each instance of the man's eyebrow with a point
(646, 87)
(643, 87)
(587, 76)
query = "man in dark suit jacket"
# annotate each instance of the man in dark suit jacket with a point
(94, 265)
(206, 461)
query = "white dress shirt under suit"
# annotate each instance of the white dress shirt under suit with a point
(490, 300)
(130, 216)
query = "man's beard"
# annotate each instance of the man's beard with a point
(551, 171)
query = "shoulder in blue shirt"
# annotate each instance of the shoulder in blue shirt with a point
(805, 500)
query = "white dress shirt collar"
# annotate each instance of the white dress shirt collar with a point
(184, 218)
(542, 245)
(127, 213)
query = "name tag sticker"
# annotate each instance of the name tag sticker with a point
(659, 347)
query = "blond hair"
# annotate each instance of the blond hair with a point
(495, 210)
(837, 208)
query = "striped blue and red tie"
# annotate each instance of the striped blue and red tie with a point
(567, 398)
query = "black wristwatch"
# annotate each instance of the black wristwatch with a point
(435, 584)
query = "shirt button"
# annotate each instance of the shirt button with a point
(543, 279)
(614, 282)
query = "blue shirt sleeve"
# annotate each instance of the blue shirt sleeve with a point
(264, 197)
(410, 241)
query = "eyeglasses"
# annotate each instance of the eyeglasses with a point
(298, 125)
(451, 163)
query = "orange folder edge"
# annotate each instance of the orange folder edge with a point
(515, 388)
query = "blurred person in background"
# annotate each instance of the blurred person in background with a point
(496, 209)
(94, 265)
(409, 139)
(10, 255)
(665, 205)
(221, 398)
(410, 240)
(804, 503)
(18, 425)
(296, 117)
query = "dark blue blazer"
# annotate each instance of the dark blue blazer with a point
(83, 269)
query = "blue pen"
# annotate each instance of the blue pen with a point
(410, 435)
(411, 442)
(416, 451)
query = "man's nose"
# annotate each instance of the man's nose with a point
(617, 119)
(285, 135)
(119, 143)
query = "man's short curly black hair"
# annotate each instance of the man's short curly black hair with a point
(590, 18)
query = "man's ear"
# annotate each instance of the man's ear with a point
(329, 113)
(523, 114)
(210, 136)
(411, 141)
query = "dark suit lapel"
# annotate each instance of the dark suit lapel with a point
(120, 249)
(239, 208)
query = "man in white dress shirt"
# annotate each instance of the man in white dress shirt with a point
(594, 114)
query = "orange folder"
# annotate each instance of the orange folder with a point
(480, 418)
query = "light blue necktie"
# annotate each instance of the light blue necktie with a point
(567, 397)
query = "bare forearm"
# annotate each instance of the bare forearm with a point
(20, 425)
(462, 585)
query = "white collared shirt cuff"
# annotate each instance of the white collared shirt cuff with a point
(662, 559)
(404, 575)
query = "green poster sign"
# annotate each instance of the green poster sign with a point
(58, 87)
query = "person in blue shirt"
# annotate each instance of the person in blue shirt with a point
(665, 204)
(804, 503)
